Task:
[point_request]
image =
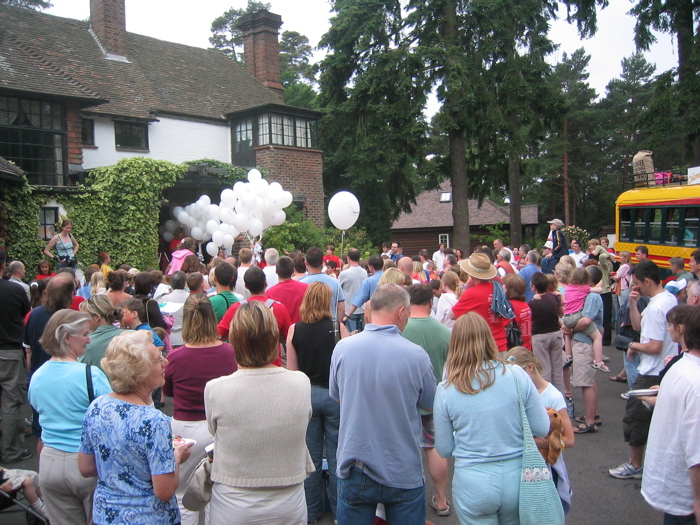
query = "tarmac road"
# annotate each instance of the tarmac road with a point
(598, 498)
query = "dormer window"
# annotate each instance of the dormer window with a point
(446, 196)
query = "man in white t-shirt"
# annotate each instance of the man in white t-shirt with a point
(654, 346)
(576, 253)
(671, 480)
(439, 257)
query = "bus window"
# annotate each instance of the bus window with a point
(690, 236)
(639, 225)
(655, 225)
(672, 220)
(625, 224)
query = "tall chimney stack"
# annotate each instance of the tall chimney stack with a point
(261, 48)
(108, 22)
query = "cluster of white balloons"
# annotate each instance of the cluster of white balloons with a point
(250, 208)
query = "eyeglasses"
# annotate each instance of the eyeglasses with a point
(160, 360)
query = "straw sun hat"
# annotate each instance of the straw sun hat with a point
(479, 266)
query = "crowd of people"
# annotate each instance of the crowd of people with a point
(281, 367)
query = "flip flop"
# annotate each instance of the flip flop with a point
(440, 512)
(618, 379)
(597, 422)
(584, 428)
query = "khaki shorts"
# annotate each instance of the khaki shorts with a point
(582, 374)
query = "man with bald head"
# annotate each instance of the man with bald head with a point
(693, 290)
(405, 264)
(16, 271)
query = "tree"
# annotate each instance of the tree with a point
(678, 17)
(31, 4)
(226, 36)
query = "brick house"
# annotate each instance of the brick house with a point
(430, 221)
(78, 95)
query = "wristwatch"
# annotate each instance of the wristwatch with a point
(629, 346)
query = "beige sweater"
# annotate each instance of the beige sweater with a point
(258, 417)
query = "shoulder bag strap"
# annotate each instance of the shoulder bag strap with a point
(90, 389)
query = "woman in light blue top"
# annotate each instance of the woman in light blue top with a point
(477, 420)
(66, 246)
(59, 392)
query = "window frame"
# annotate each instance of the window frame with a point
(90, 131)
(647, 224)
(133, 125)
(444, 238)
(44, 225)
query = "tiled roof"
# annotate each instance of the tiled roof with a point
(9, 171)
(429, 212)
(161, 77)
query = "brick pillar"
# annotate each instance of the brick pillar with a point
(108, 21)
(261, 48)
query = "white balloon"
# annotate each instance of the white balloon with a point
(217, 237)
(241, 222)
(249, 202)
(227, 216)
(254, 175)
(275, 187)
(259, 205)
(228, 241)
(183, 217)
(238, 208)
(192, 222)
(213, 212)
(223, 228)
(277, 200)
(233, 231)
(261, 188)
(197, 233)
(205, 200)
(170, 225)
(168, 236)
(256, 227)
(278, 218)
(206, 237)
(287, 199)
(176, 211)
(343, 210)
(228, 198)
(212, 249)
(240, 189)
(199, 206)
(212, 226)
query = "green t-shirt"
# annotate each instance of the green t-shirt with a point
(433, 337)
(99, 339)
(221, 302)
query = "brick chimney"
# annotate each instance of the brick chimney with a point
(261, 48)
(108, 24)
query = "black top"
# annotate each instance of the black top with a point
(314, 344)
(14, 306)
(560, 247)
(545, 314)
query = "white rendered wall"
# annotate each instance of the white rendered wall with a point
(168, 139)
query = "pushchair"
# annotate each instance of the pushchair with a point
(8, 500)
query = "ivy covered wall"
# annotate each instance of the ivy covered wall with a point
(19, 224)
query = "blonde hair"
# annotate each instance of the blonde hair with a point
(97, 283)
(127, 362)
(451, 280)
(626, 255)
(417, 267)
(254, 335)
(392, 276)
(101, 305)
(473, 355)
(568, 259)
(562, 271)
(199, 320)
(521, 356)
(316, 304)
(388, 263)
(62, 324)
(552, 282)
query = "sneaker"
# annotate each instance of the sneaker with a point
(625, 395)
(25, 454)
(626, 471)
(29, 420)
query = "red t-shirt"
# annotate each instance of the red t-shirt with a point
(187, 373)
(75, 305)
(278, 309)
(290, 293)
(44, 276)
(523, 316)
(478, 299)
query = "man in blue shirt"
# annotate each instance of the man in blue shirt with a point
(530, 269)
(314, 265)
(381, 381)
(368, 286)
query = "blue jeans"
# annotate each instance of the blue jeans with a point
(322, 430)
(359, 494)
(631, 369)
(355, 322)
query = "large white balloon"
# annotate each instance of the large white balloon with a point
(217, 237)
(212, 249)
(240, 189)
(287, 198)
(212, 226)
(256, 227)
(197, 233)
(343, 210)
(227, 216)
(241, 222)
(254, 175)
(168, 236)
(170, 226)
(206, 201)
(176, 211)
(249, 202)
(275, 187)
(261, 188)
(213, 211)
(228, 198)
(183, 217)
(278, 217)
(228, 241)
(259, 205)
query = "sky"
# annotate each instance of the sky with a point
(189, 22)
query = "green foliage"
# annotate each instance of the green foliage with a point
(120, 215)
(496, 231)
(575, 232)
(19, 224)
(296, 233)
(31, 4)
(226, 37)
(354, 238)
(233, 173)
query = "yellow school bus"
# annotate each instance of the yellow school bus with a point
(663, 217)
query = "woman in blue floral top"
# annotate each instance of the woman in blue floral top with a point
(127, 443)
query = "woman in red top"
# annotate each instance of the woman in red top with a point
(515, 291)
(202, 358)
(44, 270)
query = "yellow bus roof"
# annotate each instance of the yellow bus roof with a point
(664, 195)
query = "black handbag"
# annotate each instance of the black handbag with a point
(513, 334)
